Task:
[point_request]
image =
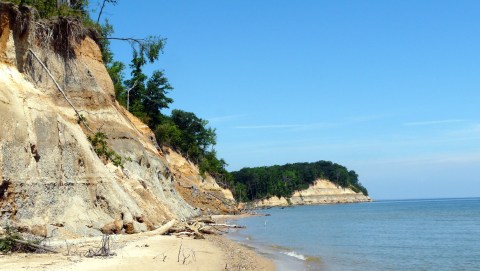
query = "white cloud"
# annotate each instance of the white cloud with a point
(275, 126)
(433, 122)
(289, 126)
(225, 118)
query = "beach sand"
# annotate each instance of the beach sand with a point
(141, 252)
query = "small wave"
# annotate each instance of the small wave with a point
(281, 248)
(295, 255)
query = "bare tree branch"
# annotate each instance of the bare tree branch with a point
(114, 2)
(80, 117)
(101, 11)
(128, 94)
(139, 41)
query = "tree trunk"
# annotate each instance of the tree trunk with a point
(35, 246)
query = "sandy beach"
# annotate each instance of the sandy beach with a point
(143, 252)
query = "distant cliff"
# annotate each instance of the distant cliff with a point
(251, 184)
(321, 192)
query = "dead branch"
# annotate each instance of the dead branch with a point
(206, 220)
(128, 94)
(199, 227)
(206, 230)
(164, 257)
(139, 41)
(228, 226)
(101, 11)
(34, 245)
(183, 233)
(196, 234)
(185, 257)
(217, 229)
(61, 91)
(178, 256)
(163, 229)
(103, 251)
(71, 249)
(175, 229)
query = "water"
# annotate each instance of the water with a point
(442, 234)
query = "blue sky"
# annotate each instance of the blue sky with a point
(389, 89)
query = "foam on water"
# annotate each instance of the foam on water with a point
(295, 255)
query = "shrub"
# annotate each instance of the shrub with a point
(101, 148)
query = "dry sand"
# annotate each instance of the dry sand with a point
(140, 252)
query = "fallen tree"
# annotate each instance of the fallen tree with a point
(13, 241)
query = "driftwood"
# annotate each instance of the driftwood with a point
(206, 230)
(33, 245)
(228, 226)
(200, 226)
(175, 229)
(183, 233)
(163, 229)
(196, 235)
(217, 229)
(194, 229)
(206, 220)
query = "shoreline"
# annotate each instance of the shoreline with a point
(284, 258)
(142, 252)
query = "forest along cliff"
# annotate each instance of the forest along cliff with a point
(51, 178)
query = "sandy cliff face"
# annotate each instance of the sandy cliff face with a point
(202, 192)
(50, 177)
(321, 192)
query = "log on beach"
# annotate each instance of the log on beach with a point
(163, 229)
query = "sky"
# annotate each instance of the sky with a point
(390, 89)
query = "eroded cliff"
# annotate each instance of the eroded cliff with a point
(320, 192)
(51, 180)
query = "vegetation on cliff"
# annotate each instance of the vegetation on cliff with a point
(51, 8)
(282, 181)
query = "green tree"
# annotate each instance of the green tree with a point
(136, 85)
(196, 136)
(155, 98)
(191, 136)
(138, 94)
(168, 134)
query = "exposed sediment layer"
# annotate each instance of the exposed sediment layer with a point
(321, 192)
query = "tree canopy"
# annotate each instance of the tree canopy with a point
(191, 136)
(282, 181)
(50, 8)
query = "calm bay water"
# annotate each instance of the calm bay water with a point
(440, 234)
